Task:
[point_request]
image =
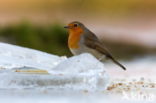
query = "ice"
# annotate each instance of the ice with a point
(84, 63)
(27, 68)
(14, 56)
(86, 67)
(29, 75)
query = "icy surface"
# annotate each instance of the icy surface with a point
(29, 75)
(14, 56)
(78, 72)
(84, 63)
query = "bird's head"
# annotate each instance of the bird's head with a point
(75, 27)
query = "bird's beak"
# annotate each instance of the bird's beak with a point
(67, 27)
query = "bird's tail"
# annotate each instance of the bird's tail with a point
(116, 62)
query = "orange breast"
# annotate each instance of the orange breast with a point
(74, 38)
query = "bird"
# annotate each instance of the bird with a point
(82, 40)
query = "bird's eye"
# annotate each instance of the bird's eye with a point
(75, 25)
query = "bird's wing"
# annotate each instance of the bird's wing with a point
(92, 41)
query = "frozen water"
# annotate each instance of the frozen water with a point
(84, 63)
(78, 72)
(28, 75)
(86, 67)
(15, 56)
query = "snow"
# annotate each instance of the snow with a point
(29, 75)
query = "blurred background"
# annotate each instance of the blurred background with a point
(126, 27)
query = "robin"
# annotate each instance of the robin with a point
(82, 40)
